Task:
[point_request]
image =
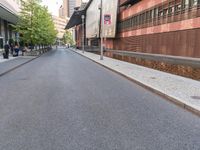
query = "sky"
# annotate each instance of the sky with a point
(53, 5)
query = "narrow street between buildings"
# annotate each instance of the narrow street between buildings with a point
(63, 101)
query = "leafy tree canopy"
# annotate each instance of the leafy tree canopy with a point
(67, 38)
(35, 24)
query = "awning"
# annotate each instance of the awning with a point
(129, 2)
(75, 19)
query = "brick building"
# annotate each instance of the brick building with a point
(169, 27)
(161, 34)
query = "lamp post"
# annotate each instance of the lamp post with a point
(83, 39)
(102, 23)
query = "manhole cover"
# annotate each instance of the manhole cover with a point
(195, 97)
(153, 78)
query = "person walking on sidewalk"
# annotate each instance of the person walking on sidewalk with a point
(25, 49)
(16, 50)
(6, 51)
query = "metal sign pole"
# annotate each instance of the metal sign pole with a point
(83, 42)
(102, 22)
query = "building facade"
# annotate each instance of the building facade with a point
(168, 27)
(9, 10)
(160, 34)
(67, 9)
(60, 24)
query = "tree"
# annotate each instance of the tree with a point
(35, 24)
(67, 38)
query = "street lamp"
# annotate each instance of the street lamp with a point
(83, 40)
(102, 23)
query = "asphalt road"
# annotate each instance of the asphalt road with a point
(63, 101)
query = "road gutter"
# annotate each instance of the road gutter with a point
(20, 65)
(171, 98)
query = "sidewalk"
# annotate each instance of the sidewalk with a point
(182, 91)
(4, 60)
(7, 65)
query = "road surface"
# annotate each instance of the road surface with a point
(63, 101)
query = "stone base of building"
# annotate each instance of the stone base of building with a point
(182, 70)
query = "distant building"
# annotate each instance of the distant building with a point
(9, 10)
(75, 23)
(67, 9)
(60, 24)
(61, 13)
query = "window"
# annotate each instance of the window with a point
(198, 2)
(126, 24)
(185, 4)
(165, 12)
(133, 21)
(130, 22)
(160, 11)
(140, 19)
(155, 12)
(194, 2)
(147, 16)
(167, 9)
(137, 20)
(150, 14)
(177, 8)
(144, 17)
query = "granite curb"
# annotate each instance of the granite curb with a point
(9, 69)
(172, 98)
(27, 59)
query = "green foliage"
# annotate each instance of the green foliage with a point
(67, 38)
(35, 24)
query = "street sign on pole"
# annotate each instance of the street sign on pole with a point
(107, 19)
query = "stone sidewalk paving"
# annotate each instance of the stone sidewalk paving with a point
(4, 60)
(182, 91)
(7, 65)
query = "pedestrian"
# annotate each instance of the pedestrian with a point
(6, 51)
(11, 48)
(25, 49)
(16, 50)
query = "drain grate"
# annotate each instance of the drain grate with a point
(195, 97)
